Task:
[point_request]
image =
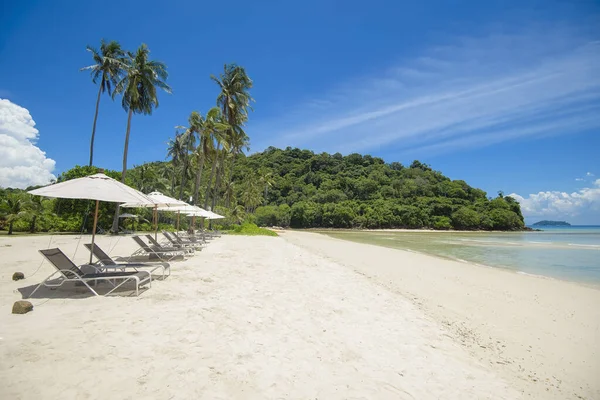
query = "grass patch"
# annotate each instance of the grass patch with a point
(251, 230)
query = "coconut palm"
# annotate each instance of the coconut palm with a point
(145, 178)
(106, 70)
(229, 193)
(174, 150)
(238, 214)
(266, 179)
(207, 129)
(139, 86)
(220, 138)
(36, 206)
(234, 101)
(239, 142)
(188, 142)
(13, 208)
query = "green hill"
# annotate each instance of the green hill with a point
(308, 190)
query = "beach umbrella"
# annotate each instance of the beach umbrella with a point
(125, 215)
(98, 187)
(187, 210)
(158, 200)
(213, 215)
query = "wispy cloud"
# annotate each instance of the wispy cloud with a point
(471, 93)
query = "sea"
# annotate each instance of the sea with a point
(568, 253)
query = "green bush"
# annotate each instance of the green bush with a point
(442, 223)
(249, 229)
(465, 218)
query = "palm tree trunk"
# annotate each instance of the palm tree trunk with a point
(126, 148)
(115, 225)
(212, 173)
(32, 226)
(10, 228)
(173, 180)
(94, 126)
(220, 172)
(183, 176)
(230, 178)
(199, 174)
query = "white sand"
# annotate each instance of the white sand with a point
(265, 318)
(540, 334)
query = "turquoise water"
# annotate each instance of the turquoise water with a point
(571, 253)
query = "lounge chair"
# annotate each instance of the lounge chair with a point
(178, 242)
(158, 246)
(67, 271)
(106, 263)
(155, 253)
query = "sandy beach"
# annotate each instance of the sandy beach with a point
(298, 316)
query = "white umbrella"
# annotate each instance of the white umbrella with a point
(213, 215)
(188, 210)
(158, 200)
(126, 215)
(97, 187)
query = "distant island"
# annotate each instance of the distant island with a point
(551, 223)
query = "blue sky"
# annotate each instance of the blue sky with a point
(502, 94)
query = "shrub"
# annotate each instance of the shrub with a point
(249, 229)
(442, 223)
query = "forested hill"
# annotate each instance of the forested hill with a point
(308, 190)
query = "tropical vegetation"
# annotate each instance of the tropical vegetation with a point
(206, 166)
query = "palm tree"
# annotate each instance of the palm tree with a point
(174, 150)
(13, 208)
(219, 137)
(251, 196)
(188, 141)
(229, 193)
(234, 100)
(138, 85)
(266, 179)
(238, 214)
(36, 207)
(207, 129)
(107, 67)
(239, 143)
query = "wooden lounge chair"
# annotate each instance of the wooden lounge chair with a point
(68, 271)
(152, 253)
(105, 263)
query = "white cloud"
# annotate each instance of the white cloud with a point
(556, 204)
(472, 93)
(589, 174)
(22, 163)
(579, 179)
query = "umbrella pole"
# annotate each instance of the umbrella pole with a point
(155, 222)
(94, 230)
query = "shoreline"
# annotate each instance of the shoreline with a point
(591, 283)
(529, 328)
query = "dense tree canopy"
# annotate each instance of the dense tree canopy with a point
(309, 190)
